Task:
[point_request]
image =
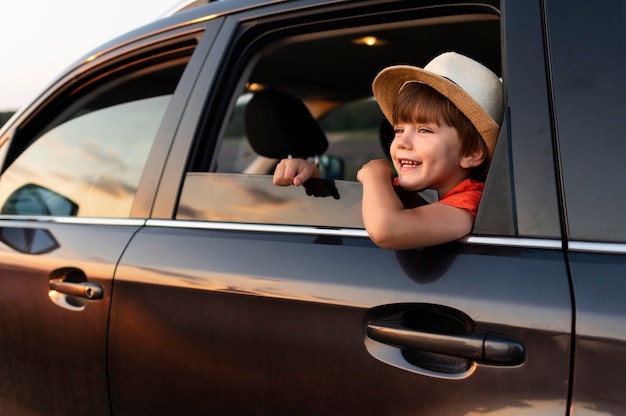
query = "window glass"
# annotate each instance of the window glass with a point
(588, 72)
(88, 160)
(227, 197)
(93, 162)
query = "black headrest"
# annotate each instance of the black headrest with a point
(386, 134)
(279, 125)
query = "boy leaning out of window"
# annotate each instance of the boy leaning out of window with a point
(446, 119)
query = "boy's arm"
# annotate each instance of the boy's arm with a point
(294, 172)
(391, 226)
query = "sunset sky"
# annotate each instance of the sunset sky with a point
(41, 38)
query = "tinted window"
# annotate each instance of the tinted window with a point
(588, 61)
(88, 161)
(254, 199)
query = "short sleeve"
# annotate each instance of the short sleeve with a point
(466, 195)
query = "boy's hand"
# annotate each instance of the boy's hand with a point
(376, 169)
(294, 172)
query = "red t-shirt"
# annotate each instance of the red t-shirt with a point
(466, 195)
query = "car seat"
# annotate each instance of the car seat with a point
(279, 125)
(386, 135)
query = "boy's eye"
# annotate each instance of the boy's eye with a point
(398, 130)
(424, 130)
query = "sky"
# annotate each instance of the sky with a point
(39, 39)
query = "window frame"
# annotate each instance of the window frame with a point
(229, 72)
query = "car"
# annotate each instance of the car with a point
(149, 265)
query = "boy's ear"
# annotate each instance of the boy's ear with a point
(473, 159)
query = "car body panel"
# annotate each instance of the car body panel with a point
(589, 122)
(54, 353)
(537, 210)
(600, 334)
(306, 324)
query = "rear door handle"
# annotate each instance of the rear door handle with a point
(82, 289)
(478, 346)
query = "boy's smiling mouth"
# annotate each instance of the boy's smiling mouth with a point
(407, 163)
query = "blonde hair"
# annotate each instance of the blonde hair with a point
(419, 103)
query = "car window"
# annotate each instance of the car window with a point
(227, 197)
(236, 155)
(353, 131)
(588, 71)
(88, 160)
(291, 101)
(357, 132)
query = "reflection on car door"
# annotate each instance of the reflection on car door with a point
(53, 342)
(266, 320)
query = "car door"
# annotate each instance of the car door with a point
(589, 109)
(239, 297)
(72, 165)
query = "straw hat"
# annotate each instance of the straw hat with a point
(472, 87)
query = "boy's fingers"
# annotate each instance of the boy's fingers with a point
(291, 172)
(279, 175)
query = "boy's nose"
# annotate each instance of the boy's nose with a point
(402, 141)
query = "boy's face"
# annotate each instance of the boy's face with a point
(427, 155)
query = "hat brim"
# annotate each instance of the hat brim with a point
(389, 81)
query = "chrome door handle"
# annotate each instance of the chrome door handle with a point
(477, 346)
(83, 289)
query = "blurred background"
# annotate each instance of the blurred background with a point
(41, 38)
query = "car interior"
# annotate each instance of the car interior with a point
(320, 87)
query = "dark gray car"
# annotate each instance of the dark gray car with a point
(149, 266)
